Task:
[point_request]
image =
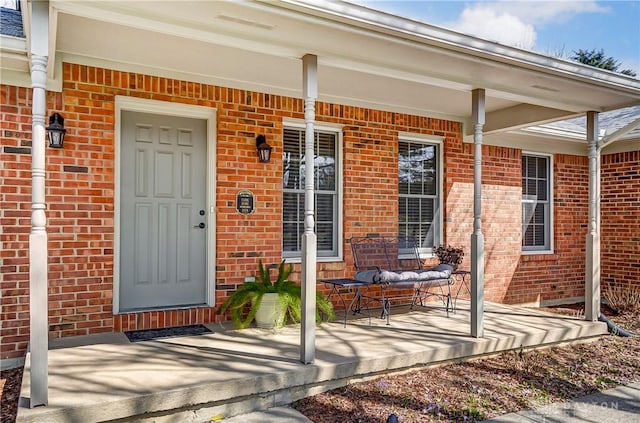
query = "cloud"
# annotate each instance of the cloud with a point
(546, 11)
(514, 22)
(497, 26)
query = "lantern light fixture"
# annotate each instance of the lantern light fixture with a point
(264, 149)
(56, 130)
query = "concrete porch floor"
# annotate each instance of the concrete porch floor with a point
(226, 373)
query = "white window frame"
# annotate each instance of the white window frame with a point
(337, 129)
(438, 219)
(526, 250)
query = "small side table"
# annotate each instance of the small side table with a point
(464, 277)
(350, 285)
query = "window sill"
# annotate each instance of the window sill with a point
(423, 256)
(294, 260)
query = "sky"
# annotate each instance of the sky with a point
(553, 27)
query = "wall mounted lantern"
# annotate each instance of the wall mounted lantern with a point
(264, 149)
(56, 130)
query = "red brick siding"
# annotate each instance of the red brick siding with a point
(544, 277)
(81, 208)
(620, 223)
(501, 194)
(15, 218)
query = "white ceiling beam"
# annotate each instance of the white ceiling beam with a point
(615, 136)
(522, 116)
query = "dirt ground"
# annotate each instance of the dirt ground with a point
(10, 382)
(482, 389)
(462, 392)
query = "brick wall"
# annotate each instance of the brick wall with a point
(549, 277)
(501, 194)
(620, 223)
(80, 189)
(15, 218)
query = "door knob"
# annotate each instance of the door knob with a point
(201, 226)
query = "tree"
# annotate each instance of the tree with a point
(596, 58)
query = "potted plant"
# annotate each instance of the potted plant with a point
(449, 255)
(271, 304)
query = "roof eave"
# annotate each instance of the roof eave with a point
(465, 44)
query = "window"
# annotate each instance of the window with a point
(536, 203)
(327, 200)
(419, 188)
(10, 4)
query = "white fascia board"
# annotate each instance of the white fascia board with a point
(466, 44)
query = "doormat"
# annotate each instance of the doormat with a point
(151, 334)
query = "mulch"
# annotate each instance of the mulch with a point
(10, 383)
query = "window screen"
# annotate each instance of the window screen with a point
(419, 196)
(326, 192)
(536, 204)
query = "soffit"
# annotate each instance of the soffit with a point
(255, 45)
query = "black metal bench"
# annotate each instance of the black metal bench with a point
(391, 270)
(344, 285)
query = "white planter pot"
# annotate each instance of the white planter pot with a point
(270, 313)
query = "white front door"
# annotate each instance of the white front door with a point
(162, 211)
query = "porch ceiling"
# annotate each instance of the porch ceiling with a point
(366, 58)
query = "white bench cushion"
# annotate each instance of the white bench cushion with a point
(440, 272)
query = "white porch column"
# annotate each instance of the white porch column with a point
(308, 320)
(38, 304)
(477, 238)
(592, 268)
